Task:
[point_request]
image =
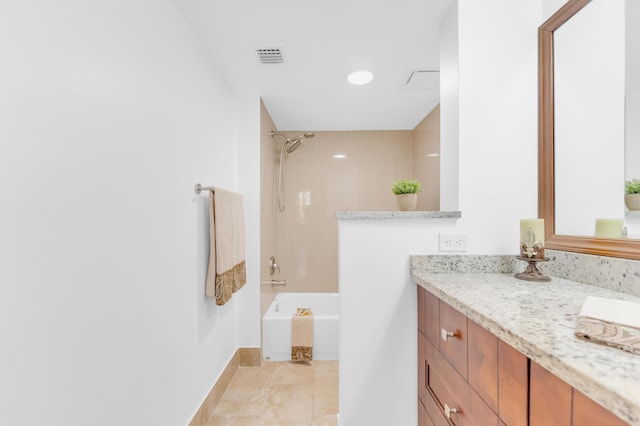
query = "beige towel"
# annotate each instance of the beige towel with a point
(226, 273)
(610, 322)
(302, 335)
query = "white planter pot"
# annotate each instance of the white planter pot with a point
(632, 201)
(407, 202)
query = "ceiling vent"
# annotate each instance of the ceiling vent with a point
(271, 55)
(422, 79)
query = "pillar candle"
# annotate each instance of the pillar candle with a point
(609, 228)
(537, 225)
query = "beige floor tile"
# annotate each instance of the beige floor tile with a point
(329, 420)
(280, 394)
(292, 402)
(325, 404)
(236, 420)
(293, 373)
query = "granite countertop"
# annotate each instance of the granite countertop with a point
(373, 215)
(539, 320)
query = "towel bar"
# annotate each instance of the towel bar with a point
(199, 188)
(274, 282)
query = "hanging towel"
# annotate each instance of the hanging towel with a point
(302, 335)
(226, 272)
(611, 322)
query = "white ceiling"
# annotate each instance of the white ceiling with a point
(321, 42)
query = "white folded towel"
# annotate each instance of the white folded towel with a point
(226, 272)
(611, 322)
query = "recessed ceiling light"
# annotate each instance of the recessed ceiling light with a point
(433, 155)
(340, 156)
(360, 77)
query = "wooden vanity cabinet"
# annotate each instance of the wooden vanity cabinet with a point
(462, 368)
(467, 376)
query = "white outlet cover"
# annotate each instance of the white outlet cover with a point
(452, 243)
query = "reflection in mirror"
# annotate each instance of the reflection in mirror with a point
(632, 106)
(589, 82)
(594, 150)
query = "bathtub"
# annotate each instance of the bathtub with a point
(276, 325)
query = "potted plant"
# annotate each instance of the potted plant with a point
(406, 191)
(632, 194)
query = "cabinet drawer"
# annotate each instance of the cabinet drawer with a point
(422, 367)
(434, 413)
(453, 337)
(450, 390)
(423, 417)
(432, 318)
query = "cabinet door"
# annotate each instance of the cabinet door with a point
(513, 385)
(587, 412)
(483, 363)
(453, 341)
(549, 398)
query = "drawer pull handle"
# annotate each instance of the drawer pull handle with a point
(448, 411)
(445, 334)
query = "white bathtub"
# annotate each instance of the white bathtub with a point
(276, 325)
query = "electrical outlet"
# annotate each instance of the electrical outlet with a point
(453, 242)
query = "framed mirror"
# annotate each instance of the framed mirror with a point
(562, 170)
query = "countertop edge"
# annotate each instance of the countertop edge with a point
(378, 215)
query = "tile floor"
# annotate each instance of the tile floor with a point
(280, 394)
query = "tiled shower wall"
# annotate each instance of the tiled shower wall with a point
(317, 185)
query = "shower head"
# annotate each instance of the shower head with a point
(291, 144)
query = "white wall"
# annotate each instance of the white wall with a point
(248, 130)
(498, 120)
(111, 112)
(498, 186)
(378, 318)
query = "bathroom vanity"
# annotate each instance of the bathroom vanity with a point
(494, 350)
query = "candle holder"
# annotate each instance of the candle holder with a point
(532, 252)
(532, 273)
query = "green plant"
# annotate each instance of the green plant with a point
(632, 186)
(406, 186)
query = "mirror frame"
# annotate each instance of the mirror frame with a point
(623, 248)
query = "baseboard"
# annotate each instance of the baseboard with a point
(205, 411)
(245, 357)
(250, 357)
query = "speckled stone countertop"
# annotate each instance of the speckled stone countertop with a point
(368, 215)
(539, 320)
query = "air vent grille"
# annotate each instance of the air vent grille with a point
(422, 79)
(270, 56)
